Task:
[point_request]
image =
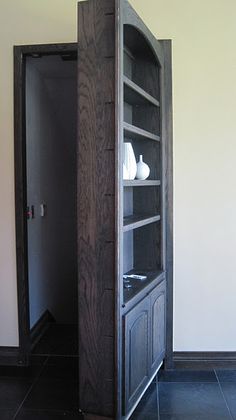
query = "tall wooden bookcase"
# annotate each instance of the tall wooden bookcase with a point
(124, 227)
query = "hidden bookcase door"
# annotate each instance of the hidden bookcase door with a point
(124, 226)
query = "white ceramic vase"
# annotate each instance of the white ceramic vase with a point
(129, 160)
(125, 172)
(143, 170)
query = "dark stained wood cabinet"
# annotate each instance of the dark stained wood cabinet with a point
(137, 352)
(144, 344)
(157, 315)
(124, 226)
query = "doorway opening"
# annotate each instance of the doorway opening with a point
(46, 184)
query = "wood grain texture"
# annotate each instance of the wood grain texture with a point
(135, 222)
(141, 183)
(147, 74)
(144, 329)
(137, 352)
(148, 257)
(20, 204)
(135, 132)
(144, 65)
(147, 117)
(100, 192)
(135, 95)
(147, 200)
(96, 209)
(167, 135)
(139, 290)
(158, 325)
(48, 49)
(132, 18)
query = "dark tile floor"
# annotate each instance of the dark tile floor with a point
(48, 389)
(59, 340)
(45, 391)
(190, 395)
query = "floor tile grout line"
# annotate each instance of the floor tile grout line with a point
(158, 398)
(223, 395)
(31, 387)
(56, 355)
(188, 382)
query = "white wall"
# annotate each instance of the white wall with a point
(51, 99)
(23, 22)
(204, 67)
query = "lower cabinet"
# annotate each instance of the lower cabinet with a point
(158, 329)
(137, 352)
(144, 344)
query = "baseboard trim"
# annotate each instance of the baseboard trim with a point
(9, 356)
(204, 360)
(12, 356)
(39, 329)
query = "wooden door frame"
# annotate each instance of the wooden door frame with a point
(167, 132)
(21, 355)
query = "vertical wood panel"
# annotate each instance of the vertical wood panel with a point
(20, 205)
(96, 209)
(100, 106)
(137, 352)
(167, 135)
(157, 312)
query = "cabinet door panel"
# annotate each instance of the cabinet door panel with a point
(137, 351)
(157, 326)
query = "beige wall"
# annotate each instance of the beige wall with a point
(204, 68)
(21, 22)
(204, 71)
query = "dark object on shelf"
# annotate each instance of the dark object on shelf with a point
(135, 276)
(127, 285)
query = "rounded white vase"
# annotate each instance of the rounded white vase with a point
(143, 170)
(129, 160)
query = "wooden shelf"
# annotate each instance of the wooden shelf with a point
(141, 287)
(141, 183)
(135, 95)
(134, 132)
(137, 221)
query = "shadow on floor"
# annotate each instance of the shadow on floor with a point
(58, 340)
(48, 388)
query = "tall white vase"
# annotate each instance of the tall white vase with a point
(125, 172)
(143, 170)
(129, 160)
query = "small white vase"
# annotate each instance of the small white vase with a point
(143, 170)
(129, 160)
